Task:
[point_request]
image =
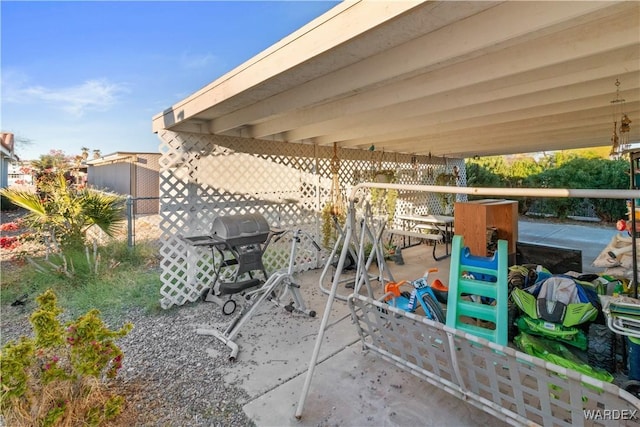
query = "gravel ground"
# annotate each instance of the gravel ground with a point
(167, 377)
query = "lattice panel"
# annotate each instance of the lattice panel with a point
(405, 338)
(204, 176)
(499, 380)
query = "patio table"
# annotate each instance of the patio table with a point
(415, 225)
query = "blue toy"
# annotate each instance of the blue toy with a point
(422, 295)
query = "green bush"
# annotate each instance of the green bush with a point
(593, 173)
(562, 170)
(62, 373)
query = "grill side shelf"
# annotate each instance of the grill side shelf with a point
(204, 240)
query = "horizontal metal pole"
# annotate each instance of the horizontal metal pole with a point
(146, 198)
(506, 192)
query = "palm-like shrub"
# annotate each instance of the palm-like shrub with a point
(66, 213)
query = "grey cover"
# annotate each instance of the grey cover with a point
(241, 229)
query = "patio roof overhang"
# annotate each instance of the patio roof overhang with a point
(449, 78)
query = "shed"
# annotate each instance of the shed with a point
(128, 173)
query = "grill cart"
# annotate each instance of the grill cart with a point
(240, 241)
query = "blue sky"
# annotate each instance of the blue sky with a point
(93, 74)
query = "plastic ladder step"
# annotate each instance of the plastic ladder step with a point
(495, 268)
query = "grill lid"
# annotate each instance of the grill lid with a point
(241, 229)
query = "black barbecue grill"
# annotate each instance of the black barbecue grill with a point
(241, 241)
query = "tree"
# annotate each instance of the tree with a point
(580, 172)
(563, 169)
(521, 168)
(54, 161)
(481, 174)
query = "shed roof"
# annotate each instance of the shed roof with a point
(118, 156)
(450, 78)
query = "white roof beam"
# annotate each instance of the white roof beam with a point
(566, 111)
(581, 96)
(536, 80)
(567, 108)
(370, 71)
(451, 102)
(554, 56)
(599, 118)
(532, 147)
(523, 144)
(600, 126)
(492, 29)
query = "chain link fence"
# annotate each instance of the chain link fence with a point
(142, 219)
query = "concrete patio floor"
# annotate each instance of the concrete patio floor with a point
(351, 387)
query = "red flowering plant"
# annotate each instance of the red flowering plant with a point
(9, 242)
(10, 226)
(62, 373)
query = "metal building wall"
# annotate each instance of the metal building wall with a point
(136, 175)
(146, 182)
(4, 171)
(113, 177)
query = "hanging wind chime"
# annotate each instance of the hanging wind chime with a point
(620, 136)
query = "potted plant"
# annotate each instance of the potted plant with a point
(331, 214)
(383, 199)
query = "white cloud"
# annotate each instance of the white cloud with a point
(196, 61)
(92, 95)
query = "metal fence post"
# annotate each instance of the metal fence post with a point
(129, 221)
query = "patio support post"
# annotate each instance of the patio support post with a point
(327, 310)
